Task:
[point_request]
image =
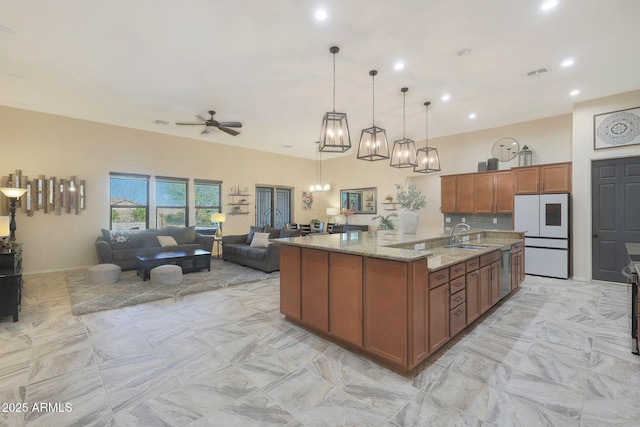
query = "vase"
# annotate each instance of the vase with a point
(408, 222)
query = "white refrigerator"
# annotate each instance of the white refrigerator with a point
(545, 220)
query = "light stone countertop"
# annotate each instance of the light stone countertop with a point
(400, 247)
(633, 250)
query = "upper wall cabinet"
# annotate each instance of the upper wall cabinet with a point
(486, 192)
(551, 178)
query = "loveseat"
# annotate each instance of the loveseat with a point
(121, 247)
(246, 249)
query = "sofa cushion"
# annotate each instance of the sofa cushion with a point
(290, 233)
(150, 239)
(253, 229)
(121, 239)
(167, 241)
(260, 240)
(182, 234)
(256, 253)
(274, 233)
(123, 254)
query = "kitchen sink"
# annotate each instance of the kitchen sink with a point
(467, 247)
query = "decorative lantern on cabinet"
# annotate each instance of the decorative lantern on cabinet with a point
(525, 158)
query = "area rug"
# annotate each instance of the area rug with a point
(131, 290)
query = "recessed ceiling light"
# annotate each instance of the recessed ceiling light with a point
(321, 14)
(574, 92)
(399, 65)
(445, 97)
(464, 52)
(472, 116)
(549, 4)
(567, 62)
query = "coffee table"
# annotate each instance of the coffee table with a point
(189, 260)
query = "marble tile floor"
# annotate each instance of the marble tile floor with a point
(557, 353)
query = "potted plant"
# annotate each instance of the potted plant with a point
(385, 221)
(410, 200)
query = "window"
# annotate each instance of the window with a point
(207, 195)
(171, 202)
(129, 195)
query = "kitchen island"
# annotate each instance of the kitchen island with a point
(396, 298)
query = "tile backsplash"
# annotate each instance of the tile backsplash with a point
(479, 221)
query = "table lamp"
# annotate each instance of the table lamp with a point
(332, 212)
(13, 194)
(5, 246)
(219, 218)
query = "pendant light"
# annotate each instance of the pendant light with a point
(404, 150)
(334, 135)
(373, 144)
(427, 157)
(319, 187)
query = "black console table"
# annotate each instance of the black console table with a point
(10, 283)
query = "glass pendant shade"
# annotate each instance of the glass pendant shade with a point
(404, 153)
(373, 144)
(334, 134)
(427, 157)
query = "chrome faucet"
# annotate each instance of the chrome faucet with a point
(454, 240)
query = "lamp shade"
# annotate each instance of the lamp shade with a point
(332, 211)
(4, 226)
(13, 192)
(218, 217)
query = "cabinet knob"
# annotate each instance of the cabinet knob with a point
(595, 235)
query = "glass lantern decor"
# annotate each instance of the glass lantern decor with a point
(525, 157)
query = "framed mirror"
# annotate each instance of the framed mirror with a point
(362, 200)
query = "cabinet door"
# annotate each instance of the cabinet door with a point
(473, 296)
(556, 178)
(495, 283)
(503, 192)
(483, 192)
(464, 193)
(315, 288)
(438, 317)
(290, 281)
(448, 194)
(345, 297)
(386, 309)
(526, 180)
(485, 288)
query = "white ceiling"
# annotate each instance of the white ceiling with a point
(267, 64)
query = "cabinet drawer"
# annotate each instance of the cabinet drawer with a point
(489, 258)
(457, 299)
(517, 247)
(457, 284)
(457, 270)
(473, 264)
(457, 320)
(439, 277)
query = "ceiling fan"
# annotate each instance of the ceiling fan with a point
(223, 126)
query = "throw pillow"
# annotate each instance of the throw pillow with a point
(253, 229)
(260, 240)
(167, 241)
(290, 233)
(182, 234)
(274, 233)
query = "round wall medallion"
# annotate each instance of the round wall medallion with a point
(620, 128)
(505, 149)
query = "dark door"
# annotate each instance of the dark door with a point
(273, 206)
(615, 188)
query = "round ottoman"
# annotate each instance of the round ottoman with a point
(166, 275)
(103, 274)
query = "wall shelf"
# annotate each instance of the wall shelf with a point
(239, 204)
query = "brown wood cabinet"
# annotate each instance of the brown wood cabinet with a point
(290, 281)
(314, 288)
(550, 178)
(438, 317)
(473, 295)
(489, 280)
(485, 192)
(345, 297)
(517, 265)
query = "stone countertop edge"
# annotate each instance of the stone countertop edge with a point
(633, 249)
(398, 247)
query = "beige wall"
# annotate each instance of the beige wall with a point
(58, 146)
(583, 155)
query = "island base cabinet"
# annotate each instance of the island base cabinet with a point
(314, 288)
(386, 309)
(485, 288)
(438, 317)
(345, 297)
(473, 296)
(290, 281)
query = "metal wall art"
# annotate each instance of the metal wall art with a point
(46, 194)
(616, 129)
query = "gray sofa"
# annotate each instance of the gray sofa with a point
(238, 248)
(121, 247)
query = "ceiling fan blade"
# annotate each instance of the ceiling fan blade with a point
(230, 124)
(229, 131)
(201, 118)
(205, 131)
(190, 124)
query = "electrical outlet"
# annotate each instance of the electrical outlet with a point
(464, 220)
(447, 219)
(495, 220)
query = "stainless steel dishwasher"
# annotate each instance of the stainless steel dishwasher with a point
(505, 271)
